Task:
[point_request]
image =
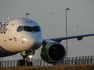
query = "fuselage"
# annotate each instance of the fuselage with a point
(19, 35)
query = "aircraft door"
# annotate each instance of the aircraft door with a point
(10, 32)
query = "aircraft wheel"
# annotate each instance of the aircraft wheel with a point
(29, 64)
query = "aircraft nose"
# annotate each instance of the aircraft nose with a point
(37, 41)
(36, 45)
(32, 41)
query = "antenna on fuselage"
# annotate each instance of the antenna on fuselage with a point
(8, 17)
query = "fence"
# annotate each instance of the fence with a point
(40, 62)
(9, 63)
(67, 61)
(79, 60)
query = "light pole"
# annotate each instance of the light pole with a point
(66, 34)
(27, 14)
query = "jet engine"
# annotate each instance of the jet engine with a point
(53, 52)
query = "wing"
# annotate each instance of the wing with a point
(79, 37)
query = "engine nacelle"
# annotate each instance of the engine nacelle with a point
(53, 52)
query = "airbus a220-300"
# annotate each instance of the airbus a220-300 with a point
(26, 35)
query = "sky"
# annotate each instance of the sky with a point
(50, 15)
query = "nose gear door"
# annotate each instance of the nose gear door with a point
(10, 32)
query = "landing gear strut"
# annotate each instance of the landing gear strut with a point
(26, 61)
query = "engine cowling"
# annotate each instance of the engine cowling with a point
(53, 52)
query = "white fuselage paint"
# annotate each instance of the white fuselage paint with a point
(14, 41)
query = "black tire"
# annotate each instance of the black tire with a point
(29, 64)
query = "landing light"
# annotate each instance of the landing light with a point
(30, 56)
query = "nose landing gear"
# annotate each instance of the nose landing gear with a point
(27, 56)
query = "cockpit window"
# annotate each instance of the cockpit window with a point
(28, 28)
(20, 28)
(36, 28)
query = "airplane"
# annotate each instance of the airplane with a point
(24, 34)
